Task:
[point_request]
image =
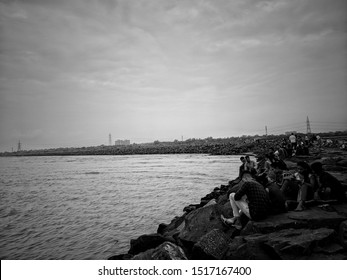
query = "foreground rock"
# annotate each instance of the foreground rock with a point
(166, 251)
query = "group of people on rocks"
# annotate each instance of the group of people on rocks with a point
(268, 187)
(297, 145)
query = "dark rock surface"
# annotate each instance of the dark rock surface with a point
(145, 242)
(212, 245)
(166, 251)
(199, 222)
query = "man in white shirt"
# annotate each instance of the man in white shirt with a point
(292, 140)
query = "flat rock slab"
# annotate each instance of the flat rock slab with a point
(292, 243)
(310, 218)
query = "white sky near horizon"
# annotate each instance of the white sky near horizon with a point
(74, 71)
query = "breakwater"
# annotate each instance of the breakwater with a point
(195, 147)
(219, 146)
(319, 232)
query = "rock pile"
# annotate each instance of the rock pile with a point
(319, 232)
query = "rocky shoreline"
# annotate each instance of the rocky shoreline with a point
(318, 233)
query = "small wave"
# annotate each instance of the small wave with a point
(10, 212)
(92, 173)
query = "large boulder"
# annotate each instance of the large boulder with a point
(212, 245)
(165, 251)
(172, 228)
(145, 242)
(198, 223)
(191, 207)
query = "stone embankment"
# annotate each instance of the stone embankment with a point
(197, 147)
(319, 232)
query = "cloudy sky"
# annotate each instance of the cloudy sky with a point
(74, 71)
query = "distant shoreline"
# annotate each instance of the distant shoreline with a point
(219, 146)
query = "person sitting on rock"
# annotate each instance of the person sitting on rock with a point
(281, 152)
(250, 165)
(278, 166)
(277, 198)
(289, 186)
(307, 183)
(251, 199)
(242, 166)
(299, 186)
(329, 188)
(268, 164)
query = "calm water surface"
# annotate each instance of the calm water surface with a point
(89, 207)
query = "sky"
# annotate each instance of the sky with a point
(74, 71)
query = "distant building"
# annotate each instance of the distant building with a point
(122, 142)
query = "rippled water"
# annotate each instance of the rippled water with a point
(89, 207)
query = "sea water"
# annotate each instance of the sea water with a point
(89, 207)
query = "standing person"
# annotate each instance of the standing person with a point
(289, 149)
(319, 141)
(292, 139)
(251, 199)
(306, 146)
(307, 140)
(328, 187)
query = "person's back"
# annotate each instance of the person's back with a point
(282, 154)
(329, 187)
(258, 198)
(242, 166)
(279, 164)
(277, 198)
(292, 138)
(326, 180)
(250, 164)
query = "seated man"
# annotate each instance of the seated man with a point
(250, 165)
(277, 198)
(242, 166)
(251, 199)
(289, 186)
(302, 185)
(328, 186)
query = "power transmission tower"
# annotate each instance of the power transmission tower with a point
(265, 130)
(308, 126)
(19, 146)
(109, 139)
